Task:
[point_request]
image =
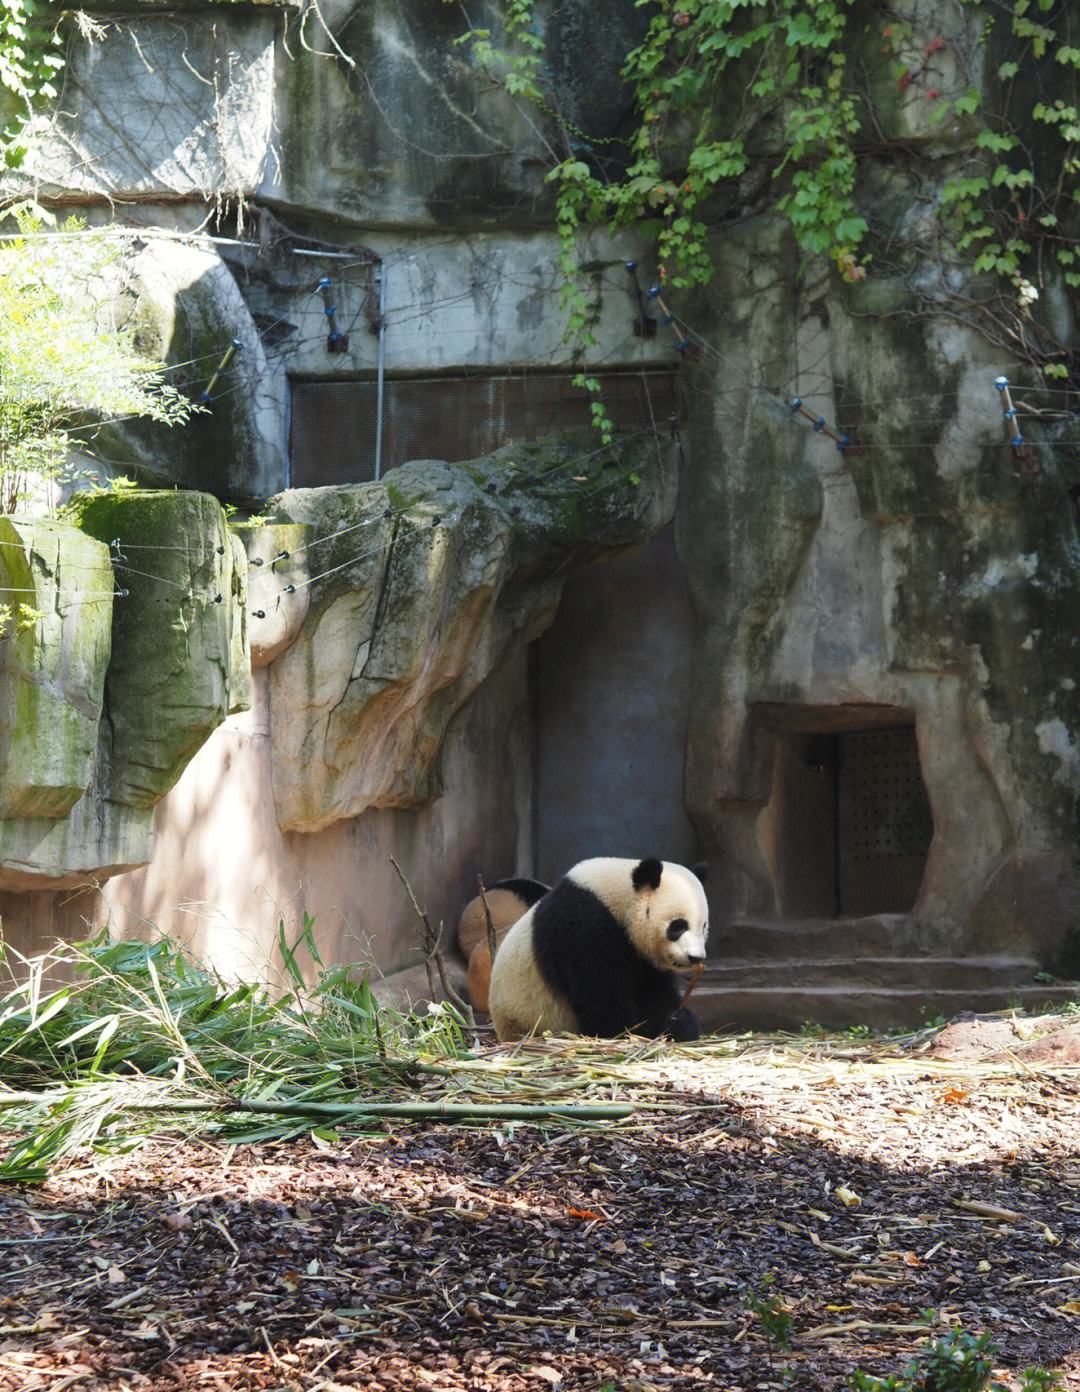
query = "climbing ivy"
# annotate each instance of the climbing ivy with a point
(746, 105)
(694, 137)
(30, 60)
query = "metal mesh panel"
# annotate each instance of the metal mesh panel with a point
(890, 813)
(884, 823)
(453, 418)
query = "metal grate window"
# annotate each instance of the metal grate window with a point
(332, 438)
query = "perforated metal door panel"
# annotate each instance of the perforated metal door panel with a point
(884, 821)
(332, 436)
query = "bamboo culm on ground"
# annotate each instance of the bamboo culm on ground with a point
(496, 1111)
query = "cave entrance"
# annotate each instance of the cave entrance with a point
(848, 818)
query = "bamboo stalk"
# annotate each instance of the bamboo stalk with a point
(695, 977)
(495, 1111)
(489, 922)
(433, 949)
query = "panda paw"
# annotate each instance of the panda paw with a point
(683, 1026)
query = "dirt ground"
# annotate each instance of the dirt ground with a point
(869, 1194)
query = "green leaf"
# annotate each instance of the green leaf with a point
(968, 103)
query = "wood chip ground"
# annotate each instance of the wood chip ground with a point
(863, 1191)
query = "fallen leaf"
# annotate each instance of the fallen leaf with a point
(551, 1375)
(116, 1276)
(847, 1197)
(585, 1215)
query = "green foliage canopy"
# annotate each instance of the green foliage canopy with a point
(65, 359)
(30, 62)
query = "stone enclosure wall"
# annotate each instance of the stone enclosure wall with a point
(442, 678)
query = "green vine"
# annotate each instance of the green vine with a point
(747, 105)
(30, 60)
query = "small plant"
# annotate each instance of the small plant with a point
(775, 1322)
(957, 1362)
(18, 620)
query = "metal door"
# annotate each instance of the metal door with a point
(884, 821)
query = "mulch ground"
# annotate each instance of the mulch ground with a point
(865, 1193)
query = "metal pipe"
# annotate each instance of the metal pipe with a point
(380, 371)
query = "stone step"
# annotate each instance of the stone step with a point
(881, 935)
(865, 973)
(725, 1008)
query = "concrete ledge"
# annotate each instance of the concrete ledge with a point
(836, 1007)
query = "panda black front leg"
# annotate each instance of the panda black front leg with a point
(684, 1026)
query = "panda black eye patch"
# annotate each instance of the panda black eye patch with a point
(676, 928)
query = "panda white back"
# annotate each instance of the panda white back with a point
(597, 953)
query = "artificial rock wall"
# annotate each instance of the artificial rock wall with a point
(371, 690)
(457, 696)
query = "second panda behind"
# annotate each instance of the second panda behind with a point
(599, 952)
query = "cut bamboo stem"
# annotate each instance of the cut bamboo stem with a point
(495, 1111)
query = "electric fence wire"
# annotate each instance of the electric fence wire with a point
(86, 594)
(827, 384)
(432, 523)
(388, 263)
(518, 480)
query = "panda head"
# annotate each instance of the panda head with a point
(661, 906)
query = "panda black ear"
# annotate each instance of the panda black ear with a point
(701, 870)
(647, 874)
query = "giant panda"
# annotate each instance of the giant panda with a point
(597, 954)
(507, 900)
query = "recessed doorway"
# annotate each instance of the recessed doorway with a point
(848, 823)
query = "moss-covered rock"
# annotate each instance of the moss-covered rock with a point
(179, 650)
(188, 310)
(96, 840)
(57, 586)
